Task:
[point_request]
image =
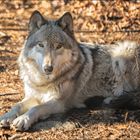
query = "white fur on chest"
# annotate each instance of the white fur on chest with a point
(41, 94)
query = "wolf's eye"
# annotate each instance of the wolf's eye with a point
(59, 46)
(41, 45)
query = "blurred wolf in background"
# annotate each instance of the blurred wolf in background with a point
(59, 73)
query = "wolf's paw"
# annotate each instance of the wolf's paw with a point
(107, 100)
(22, 123)
(7, 119)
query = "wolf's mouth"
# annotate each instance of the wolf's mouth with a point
(48, 73)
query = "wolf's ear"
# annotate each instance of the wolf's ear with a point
(66, 23)
(36, 21)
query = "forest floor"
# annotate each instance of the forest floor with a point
(95, 22)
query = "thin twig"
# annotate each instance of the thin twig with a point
(7, 94)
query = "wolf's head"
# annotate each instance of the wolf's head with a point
(51, 45)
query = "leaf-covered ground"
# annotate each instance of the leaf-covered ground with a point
(94, 21)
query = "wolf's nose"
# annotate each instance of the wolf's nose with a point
(48, 68)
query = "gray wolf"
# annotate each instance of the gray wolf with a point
(59, 73)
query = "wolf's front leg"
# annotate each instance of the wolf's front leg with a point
(17, 110)
(24, 121)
